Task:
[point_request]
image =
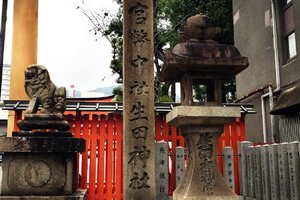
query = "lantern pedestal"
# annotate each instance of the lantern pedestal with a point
(202, 127)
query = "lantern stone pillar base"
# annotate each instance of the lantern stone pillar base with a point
(39, 165)
(202, 127)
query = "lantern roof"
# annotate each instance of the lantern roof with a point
(200, 55)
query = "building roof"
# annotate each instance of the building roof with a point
(288, 102)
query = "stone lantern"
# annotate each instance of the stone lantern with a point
(202, 62)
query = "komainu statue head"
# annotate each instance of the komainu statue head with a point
(42, 91)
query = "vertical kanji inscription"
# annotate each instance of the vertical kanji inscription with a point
(138, 95)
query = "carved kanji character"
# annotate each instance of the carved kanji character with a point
(162, 150)
(139, 88)
(162, 188)
(162, 175)
(138, 112)
(144, 181)
(142, 155)
(139, 36)
(205, 146)
(140, 132)
(139, 61)
(139, 12)
(139, 183)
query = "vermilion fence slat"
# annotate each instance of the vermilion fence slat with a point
(173, 138)
(109, 161)
(235, 140)
(17, 117)
(101, 156)
(158, 128)
(92, 167)
(84, 165)
(119, 157)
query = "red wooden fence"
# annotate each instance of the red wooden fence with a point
(100, 168)
(234, 133)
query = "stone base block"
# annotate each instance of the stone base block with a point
(39, 164)
(78, 195)
(38, 174)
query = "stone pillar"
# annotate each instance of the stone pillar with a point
(250, 171)
(202, 128)
(274, 173)
(228, 166)
(243, 170)
(162, 170)
(265, 173)
(257, 172)
(24, 49)
(179, 163)
(284, 183)
(138, 78)
(294, 169)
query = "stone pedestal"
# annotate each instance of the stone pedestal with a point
(40, 165)
(202, 127)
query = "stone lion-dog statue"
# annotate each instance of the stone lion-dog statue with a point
(42, 91)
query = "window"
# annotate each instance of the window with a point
(289, 29)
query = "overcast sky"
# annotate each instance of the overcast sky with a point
(65, 45)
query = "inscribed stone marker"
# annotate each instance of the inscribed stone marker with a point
(257, 173)
(273, 168)
(179, 163)
(243, 170)
(162, 171)
(283, 171)
(228, 166)
(294, 170)
(250, 173)
(138, 95)
(265, 172)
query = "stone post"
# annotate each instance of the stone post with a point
(250, 172)
(283, 169)
(162, 170)
(265, 172)
(273, 168)
(242, 169)
(228, 166)
(179, 162)
(138, 78)
(257, 173)
(294, 169)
